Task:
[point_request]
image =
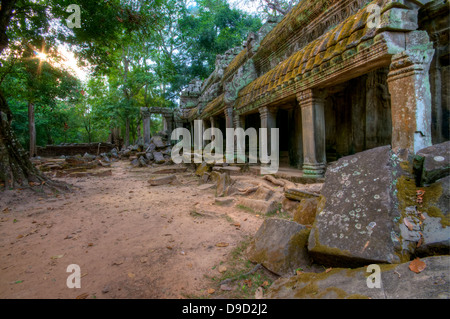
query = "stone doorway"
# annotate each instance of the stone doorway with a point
(358, 115)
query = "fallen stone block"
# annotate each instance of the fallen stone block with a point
(432, 163)
(306, 211)
(158, 158)
(157, 181)
(396, 282)
(232, 170)
(258, 206)
(206, 186)
(434, 227)
(355, 223)
(298, 194)
(223, 182)
(171, 170)
(290, 206)
(158, 141)
(280, 246)
(224, 201)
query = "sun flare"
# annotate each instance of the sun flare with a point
(41, 56)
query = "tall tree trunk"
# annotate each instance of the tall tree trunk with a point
(16, 168)
(127, 132)
(32, 129)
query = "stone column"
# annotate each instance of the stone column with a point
(409, 86)
(269, 121)
(206, 125)
(228, 117)
(313, 132)
(212, 122)
(168, 122)
(164, 123)
(146, 124)
(239, 121)
(229, 154)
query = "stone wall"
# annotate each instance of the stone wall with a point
(74, 149)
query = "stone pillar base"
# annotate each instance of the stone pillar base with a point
(314, 170)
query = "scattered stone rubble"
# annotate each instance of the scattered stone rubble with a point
(143, 154)
(373, 208)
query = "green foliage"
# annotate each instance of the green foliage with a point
(143, 53)
(211, 28)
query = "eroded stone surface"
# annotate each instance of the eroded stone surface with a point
(280, 246)
(435, 227)
(436, 162)
(354, 224)
(397, 282)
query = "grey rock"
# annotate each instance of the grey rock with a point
(433, 163)
(162, 180)
(158, 141)
(280, 246)
(435, 226)
(158, 157)
(396, 282)
(149, 156)
(142, 161)
(356, 212)
(151, 147)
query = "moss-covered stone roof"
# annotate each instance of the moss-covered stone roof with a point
(235, 63)
(343, 41)
(214, 107)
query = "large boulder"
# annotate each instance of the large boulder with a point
(223, 182)
(433, 163)
(158, 141)
(396, 282)
(258, 205)
(435, 225)
(280, 246)
(357, 213)
(163, 180)
(202, 169)
(306, 211)
(158, 158)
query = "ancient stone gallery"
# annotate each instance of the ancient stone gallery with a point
(359, 91)
(336, 78)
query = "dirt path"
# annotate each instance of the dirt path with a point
(130, 240)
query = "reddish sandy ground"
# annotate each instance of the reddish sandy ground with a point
(131, 240)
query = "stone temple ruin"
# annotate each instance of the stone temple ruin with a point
(359, 91)
(336, 78)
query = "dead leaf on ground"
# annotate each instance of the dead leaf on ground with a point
(211, 291)
(265, 283)
(222, 244)
(82, 296)
(408, 223)
(417, 265)
(131, 275)
(57, 256)
(328, 270)
(5, 210)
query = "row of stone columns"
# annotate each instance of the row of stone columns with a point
(409, 87)
(168, 123)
